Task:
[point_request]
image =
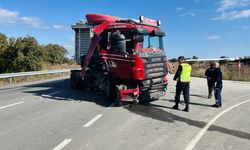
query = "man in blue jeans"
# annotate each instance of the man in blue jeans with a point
(218, 85)
(210, 79)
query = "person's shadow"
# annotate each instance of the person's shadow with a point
(159, 112)
(191, 103)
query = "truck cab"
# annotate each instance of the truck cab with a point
(133, 56)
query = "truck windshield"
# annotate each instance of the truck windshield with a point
(152, 42)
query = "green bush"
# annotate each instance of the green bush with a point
(25, 54)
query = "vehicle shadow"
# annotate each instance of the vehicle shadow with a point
(156, 112)
(191, 103)
(195, 95)
(62, 91)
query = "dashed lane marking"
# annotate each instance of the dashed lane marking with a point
(50, 94)
(112, 105)
(63, 144)
(196, 139)
(10, 105)
(92, 120)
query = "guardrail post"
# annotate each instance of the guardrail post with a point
(10, 80)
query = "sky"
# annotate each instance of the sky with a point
(202, 28)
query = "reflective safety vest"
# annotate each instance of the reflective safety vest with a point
(186, 72)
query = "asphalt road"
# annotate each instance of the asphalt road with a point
(50, 115)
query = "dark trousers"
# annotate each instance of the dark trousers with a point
(217, 96)
(210, 85)
(182, 87)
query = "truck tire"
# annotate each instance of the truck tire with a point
(76, 81)
(109, 90)
(149, 96)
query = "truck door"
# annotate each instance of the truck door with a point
(119, 56)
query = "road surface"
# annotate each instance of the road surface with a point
(49, 115)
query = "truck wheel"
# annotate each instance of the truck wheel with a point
(109, 90)
(144, 98)
(75, 80)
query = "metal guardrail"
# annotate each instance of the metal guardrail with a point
(33, 73)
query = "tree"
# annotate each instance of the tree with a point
(8, 57)
(30, 53)
(195, 57)
(54, 53)
(173, 60)
(3, 43)
(25, 54)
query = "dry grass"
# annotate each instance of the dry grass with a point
(17, 80)
(61, 66)
(234, 73)
(230, 71)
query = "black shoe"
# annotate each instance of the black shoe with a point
(215, 105)
(186, 109)
(175, 107)
(210, 96)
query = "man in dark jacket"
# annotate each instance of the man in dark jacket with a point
(210, 79)
(218, 85)
(183, 83)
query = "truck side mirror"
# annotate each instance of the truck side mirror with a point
(139, 38)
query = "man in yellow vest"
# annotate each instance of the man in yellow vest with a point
(183, 83)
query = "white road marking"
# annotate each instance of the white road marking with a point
(11, 89)
(63, 144)
(10, 105)
(50, 94)
(112, 105)
(92, 120)
(196, 139)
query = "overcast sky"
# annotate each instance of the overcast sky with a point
(205, 28)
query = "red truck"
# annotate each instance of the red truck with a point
(122, 58)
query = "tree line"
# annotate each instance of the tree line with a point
(26, 54)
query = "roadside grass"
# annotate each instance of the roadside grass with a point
(46, 66)
(230, 71)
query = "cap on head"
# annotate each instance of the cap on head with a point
(181, 58)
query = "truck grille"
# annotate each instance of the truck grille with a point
(155, 71)
(155, 67)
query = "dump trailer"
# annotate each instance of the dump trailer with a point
(122, 58)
